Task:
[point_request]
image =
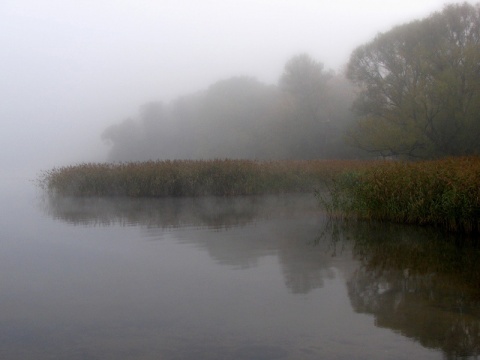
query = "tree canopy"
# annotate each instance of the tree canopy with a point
(304, 116)
(419, 87)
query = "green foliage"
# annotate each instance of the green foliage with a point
(419, 87)
(444, 193)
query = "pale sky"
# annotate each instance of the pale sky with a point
(72, 67)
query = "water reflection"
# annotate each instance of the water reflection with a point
(266, 225)
(419, 282)
(215, 212)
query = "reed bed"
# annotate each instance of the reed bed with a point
(444, 193)
(191, 178)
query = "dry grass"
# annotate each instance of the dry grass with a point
(444, 193)
(191, 178)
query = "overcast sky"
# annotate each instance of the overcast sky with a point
(69, 68)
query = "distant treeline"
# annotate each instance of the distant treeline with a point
(304, 116)
(415, 92)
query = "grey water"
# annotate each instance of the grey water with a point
(266, 277)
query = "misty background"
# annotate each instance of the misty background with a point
(77, 74)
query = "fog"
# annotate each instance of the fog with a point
(70, 69)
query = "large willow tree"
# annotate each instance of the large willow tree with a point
(419, 87)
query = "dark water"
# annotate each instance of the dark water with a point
(235, 278)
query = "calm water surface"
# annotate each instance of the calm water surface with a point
(236, 278)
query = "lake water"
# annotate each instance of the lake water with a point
(227, 278)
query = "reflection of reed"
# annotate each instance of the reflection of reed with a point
(416, 281)
(419, 282)
(172, 212)
(257, 226)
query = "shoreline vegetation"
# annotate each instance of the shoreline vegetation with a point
(444, 193)
(192, 177)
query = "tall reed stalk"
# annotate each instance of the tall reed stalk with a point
(190, 178)
(444, 193)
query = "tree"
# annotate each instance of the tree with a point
(138, 139)
(419, 87)
(240, 117)
(314, 110)
(305, 79)
(232, 118)
(304, 114)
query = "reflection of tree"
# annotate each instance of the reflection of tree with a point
(420, 283)
(418, 308)
(423, 284)
(303, 274)
(234, 231)
(304, 268)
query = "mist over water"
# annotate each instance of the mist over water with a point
(232, 278)
(72, 70)
(218, 278)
